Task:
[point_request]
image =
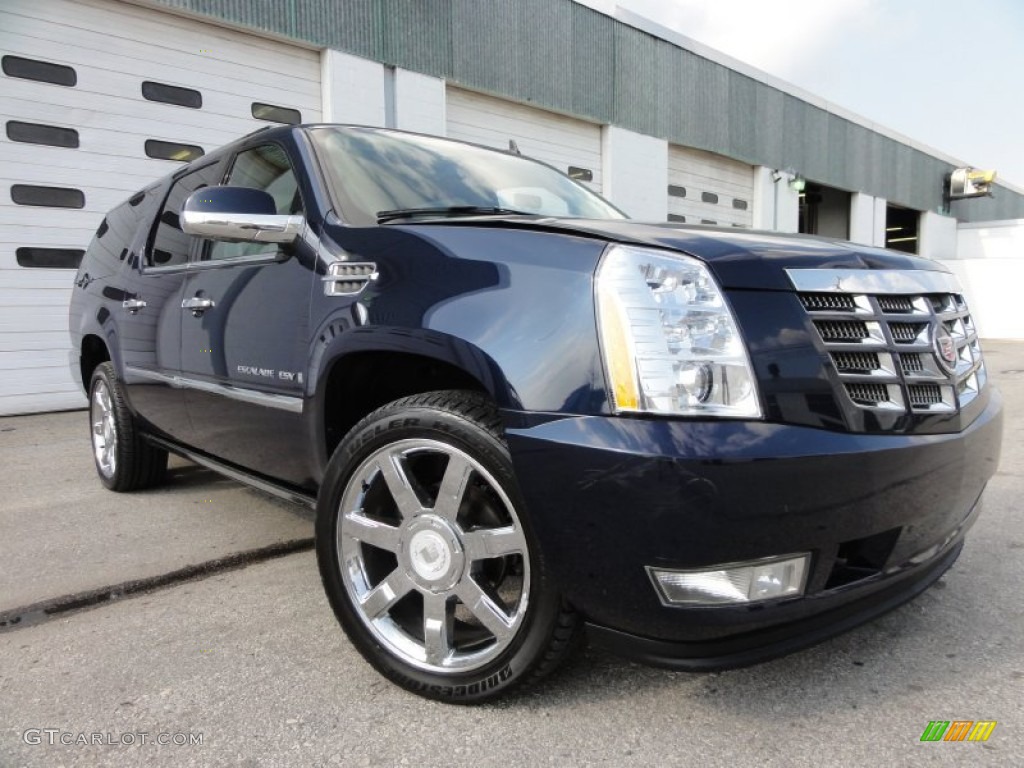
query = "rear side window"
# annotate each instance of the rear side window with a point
(118, 230)
(266, 168)
(170, 245)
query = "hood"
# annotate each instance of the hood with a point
(739, 258)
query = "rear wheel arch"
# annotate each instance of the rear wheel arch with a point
(92, 353)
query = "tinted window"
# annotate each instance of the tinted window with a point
(677, 218)
(172, 94)
(36, 133)
(266, 168)
(43, 71)
(740, 205)
(676, 191)
(274, 114)
(49, 258)
(169, 150)
(51, 197)
(170, 245)
(118, 229)
(373, 170)
(709, 197)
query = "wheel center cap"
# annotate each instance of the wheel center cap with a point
(430, 555)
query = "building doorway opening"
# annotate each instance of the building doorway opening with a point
(901, 228)
(825, 211)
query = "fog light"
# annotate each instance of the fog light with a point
(750, 582)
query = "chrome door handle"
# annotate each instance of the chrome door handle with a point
(133, 305)
(197, 305)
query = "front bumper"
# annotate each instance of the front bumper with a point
(883, 516)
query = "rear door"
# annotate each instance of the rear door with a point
(150, 313)
(245, 332)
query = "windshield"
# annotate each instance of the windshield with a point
(373, 171)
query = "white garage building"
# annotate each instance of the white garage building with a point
(100, 97)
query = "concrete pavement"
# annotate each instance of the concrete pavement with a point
(253, 660)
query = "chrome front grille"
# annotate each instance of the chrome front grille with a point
(842, 331)
(826, 301)
(907, 333)
(885, 340)
(850, 362)
(896, 304)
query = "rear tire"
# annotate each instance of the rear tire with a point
(124, 460)
(427, 555)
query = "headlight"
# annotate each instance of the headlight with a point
(670, 342)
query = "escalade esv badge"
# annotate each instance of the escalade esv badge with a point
(525, 419)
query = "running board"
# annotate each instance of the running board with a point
(259, 483)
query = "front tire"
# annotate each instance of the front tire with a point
(428, 558)
(124, 460)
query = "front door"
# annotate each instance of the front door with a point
(244, 336)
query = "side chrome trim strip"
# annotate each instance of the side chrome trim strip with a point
(878, 281)
(245, 478)
(266, 399)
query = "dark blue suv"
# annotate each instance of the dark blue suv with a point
(519, 413)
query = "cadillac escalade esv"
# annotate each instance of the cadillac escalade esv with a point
(521, 415)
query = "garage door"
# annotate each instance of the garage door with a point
(572, 146)
(705, 188)
(99, 98)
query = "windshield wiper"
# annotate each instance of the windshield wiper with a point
(451, 210)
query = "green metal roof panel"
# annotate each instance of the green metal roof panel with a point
(563, 56)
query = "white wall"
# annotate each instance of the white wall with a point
(937, 236)
(989, 262)
(635, 173)
(867, 219)
(419, 103)
(770, 194)
(364, 92)
(353, 89)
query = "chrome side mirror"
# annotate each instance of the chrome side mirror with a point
(236, 215)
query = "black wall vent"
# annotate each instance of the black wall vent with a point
(49, 197)
(172, 94)
(37, 133)
(42, 71)
(273, 114)
(580, 174)
(169, 150)
(49, 258)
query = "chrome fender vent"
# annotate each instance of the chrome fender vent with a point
(347, 278)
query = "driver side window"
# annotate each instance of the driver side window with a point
(265, 168)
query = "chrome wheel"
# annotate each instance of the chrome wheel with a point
(433, 556)
(104, 429)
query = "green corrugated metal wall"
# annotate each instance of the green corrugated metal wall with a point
(563, 56)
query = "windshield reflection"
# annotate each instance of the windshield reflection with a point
(373, 170)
